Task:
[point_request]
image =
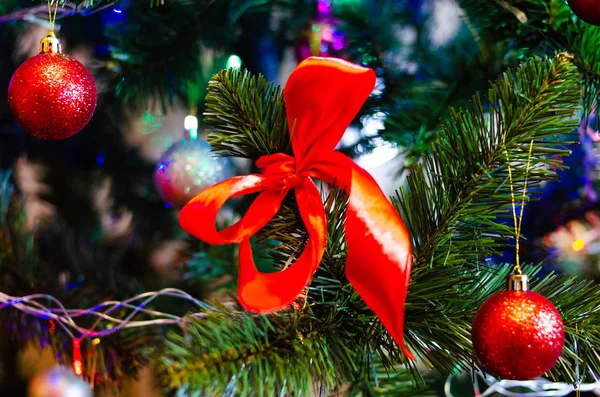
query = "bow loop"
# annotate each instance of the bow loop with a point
(322, 97)
(268, 292)
(198, 217)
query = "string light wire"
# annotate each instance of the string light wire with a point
(539, 387)
(66, 318)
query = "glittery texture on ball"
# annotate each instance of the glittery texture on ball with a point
(52, 96)
(518, 335)
(586, 10)
(58, 382)
(187, 168)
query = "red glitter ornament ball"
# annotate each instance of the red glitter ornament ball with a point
(518, 334)
(52, 96)
(586, 10)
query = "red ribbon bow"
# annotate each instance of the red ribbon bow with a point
(322, 96)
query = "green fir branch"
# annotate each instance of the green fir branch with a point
(6, 191)
(246, 115)
(234, 353)
(456, 197)
(180, 32)
(535, 26)
(457, 220)
(579, 304)
(396, 383)
(331, 320)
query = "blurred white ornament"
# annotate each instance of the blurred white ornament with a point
(58, 382)
(187, 168)
(115, 223)
(446, 20)
(168, 260)
(29, 179)
(385, 159)
(28, 40)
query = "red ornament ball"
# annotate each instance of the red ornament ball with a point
(52, 96)
(518, 335)
(586, 10)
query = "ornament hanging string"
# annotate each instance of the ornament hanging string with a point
(51, 15)
(518, 222)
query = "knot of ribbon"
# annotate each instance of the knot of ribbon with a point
(322, 97)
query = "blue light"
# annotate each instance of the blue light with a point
(167, 205)
(114, 15)
(100, 159)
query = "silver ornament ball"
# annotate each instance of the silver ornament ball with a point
(187, 168)
(58, 382)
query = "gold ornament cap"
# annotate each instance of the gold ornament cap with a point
(49, 44)
(518, 282)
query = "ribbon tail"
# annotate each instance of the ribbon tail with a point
(268, 292)
(379, 255)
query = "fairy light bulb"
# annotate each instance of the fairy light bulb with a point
(190, 123)
(234, 62)
(578, 245)
(77, 363)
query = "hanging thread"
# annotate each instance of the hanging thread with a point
(52, 16)
(518, 222)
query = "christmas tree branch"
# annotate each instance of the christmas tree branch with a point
(247, 115)
(182, 33)
(579, 304)
(543, 25)
(331, 317)
(235, 353)
(450, 246)
(455, 196)
(457, 220)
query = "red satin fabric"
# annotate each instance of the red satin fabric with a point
(322, 97)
